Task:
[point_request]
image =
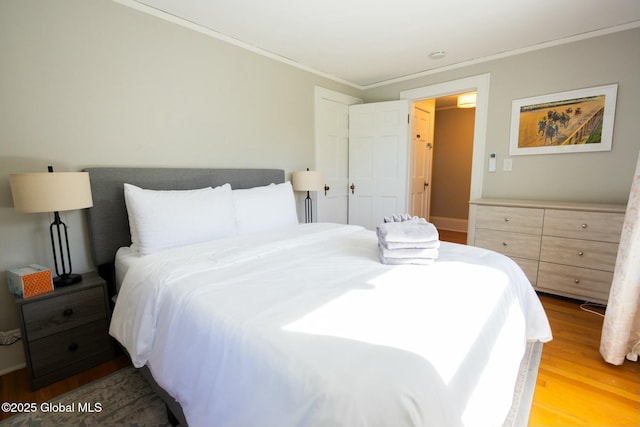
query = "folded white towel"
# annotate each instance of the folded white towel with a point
(408, 234)
(402, 217)
(402, 261)
(433, 244)
(408, 252)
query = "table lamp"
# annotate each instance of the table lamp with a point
(307, 181)
(54, 192)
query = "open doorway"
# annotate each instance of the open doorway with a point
(452, 161)
(479, 84)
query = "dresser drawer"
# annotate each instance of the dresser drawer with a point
(512, 244)
(59, 313)
(521, 220)
(605, 227)
(57, 351)
(579, 253)
(530, 268)
(576, 282)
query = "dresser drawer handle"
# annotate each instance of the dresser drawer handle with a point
(504, 243)
(73, 347)
(576, 281)
(507, 219)
(584, 226)
(68, 312)
(580, 253)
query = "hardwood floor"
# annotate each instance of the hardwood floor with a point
(575, 387)
(453, 236)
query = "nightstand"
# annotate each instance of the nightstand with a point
(66, 331)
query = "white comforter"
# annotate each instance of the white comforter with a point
(305, 327)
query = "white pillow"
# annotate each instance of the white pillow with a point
(166, 219)
(265, 208)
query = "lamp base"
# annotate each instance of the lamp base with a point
(66, 280)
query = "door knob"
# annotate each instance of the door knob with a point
(326, 188)
(353, 188)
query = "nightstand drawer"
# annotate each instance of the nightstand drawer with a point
(57, 314)
(60, 350)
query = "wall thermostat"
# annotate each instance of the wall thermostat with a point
(492, 162)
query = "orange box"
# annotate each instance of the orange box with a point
(30, 281)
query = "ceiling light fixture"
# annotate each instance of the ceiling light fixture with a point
(467, 100)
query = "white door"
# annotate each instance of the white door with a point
(332, 153)
(422, 158)
(378, 161)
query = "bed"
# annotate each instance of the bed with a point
(286, 324)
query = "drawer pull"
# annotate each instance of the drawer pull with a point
(504, 243)
(73, 347)
(584, 226)
(68, 312)
(580, 253)
(576, 281)
(507, 219)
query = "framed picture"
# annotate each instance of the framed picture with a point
(566, 122)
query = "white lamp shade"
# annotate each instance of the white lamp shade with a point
(50, 191)
(307, 181)
(467, 100)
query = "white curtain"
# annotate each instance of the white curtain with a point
(621, 329)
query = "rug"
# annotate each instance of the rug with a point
(525, 387)
(124, 398)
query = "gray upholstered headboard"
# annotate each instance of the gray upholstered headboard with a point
(108, 221)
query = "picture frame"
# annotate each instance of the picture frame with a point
(564, 122)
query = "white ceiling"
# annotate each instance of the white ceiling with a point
(366, 42)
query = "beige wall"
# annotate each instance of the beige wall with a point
(92, 82)
(452, 153)
(588, 177)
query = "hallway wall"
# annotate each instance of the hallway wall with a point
(452, 154)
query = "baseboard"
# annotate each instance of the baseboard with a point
(10, 369)
(451, 224)
(11, 357)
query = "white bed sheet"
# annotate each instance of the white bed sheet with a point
(125, 258)
(305, 327)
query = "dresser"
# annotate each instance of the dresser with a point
(567, 249)
(65, 331)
